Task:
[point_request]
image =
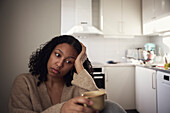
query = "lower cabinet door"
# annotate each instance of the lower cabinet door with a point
(145, 82)
(120, 85)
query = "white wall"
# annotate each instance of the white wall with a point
(24, 25)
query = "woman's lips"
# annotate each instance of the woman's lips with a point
(55, 71)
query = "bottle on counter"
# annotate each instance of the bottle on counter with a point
(166, 64)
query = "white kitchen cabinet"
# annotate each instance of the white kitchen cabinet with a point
(154, 14)
(68, 15)
(162, 8)
(121, 17)
(145, 90)
(148, 7)
(148, 16)
(120, 85)
(155, 9)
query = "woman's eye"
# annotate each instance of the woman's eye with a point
(68, 62)
(57, 54)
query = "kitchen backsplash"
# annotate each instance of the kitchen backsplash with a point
(104, 49)
(161, 42)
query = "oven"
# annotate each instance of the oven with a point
(99, 77)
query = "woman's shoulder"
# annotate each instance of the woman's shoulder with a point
(26, 78)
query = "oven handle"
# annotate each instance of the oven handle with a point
(98, 73)
(98, 77)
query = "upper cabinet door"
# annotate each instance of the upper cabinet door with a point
(156, 16)
(148, 15)
(68, 15)
(148, 10)
(131, 16)
(121, 17)
(162, 8)
(111, 17)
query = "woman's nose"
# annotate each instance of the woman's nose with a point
(60, 63)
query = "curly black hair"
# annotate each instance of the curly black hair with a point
(38, 60)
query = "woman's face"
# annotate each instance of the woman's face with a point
(61, 60)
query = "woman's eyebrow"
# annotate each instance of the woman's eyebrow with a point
(68, 56)
(60, 51)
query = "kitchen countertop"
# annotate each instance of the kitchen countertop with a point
(155, 68)
(131, 64)
(113, 65)
(118, 65)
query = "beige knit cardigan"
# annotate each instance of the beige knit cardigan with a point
(26, 97)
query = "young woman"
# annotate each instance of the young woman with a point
(59, 73)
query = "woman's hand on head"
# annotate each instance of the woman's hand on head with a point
(80, 59)
(75, 105)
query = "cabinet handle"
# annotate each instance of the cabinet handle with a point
(106, 80)
(153, 80)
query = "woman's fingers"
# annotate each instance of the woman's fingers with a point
(82, 100)
(85, 109)
(83, 53)
(77, 105)
(84, 57)
(83, 47)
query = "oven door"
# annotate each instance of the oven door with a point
(99, 79)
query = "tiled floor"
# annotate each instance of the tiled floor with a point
(132, 111)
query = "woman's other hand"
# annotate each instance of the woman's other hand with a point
(80, 59)
(75, 105)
